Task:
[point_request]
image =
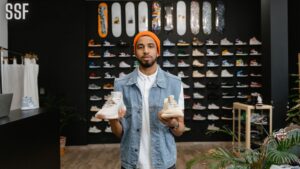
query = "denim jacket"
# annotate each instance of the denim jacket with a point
(163, 145)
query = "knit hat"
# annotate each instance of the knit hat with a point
(147, 33)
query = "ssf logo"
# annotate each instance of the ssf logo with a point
(16, 11)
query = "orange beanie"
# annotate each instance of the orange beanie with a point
(147, 33)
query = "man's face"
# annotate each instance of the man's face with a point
(146, 51)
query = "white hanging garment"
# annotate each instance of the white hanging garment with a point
(30, 98)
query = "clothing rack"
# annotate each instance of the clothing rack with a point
(2, 49)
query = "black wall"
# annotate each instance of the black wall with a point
(55, 30)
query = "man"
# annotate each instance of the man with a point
(147, 140)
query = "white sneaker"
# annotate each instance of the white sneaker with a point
(123, 55)
(107, 65)
(213, 106)
(197, 63)
(111, 107)
(106, 43)
(198, 117)
(108, 76)
(168, 53)
(226, 42)
(198, 106)
(108, 129)
(196, 52)
(107, 54)
(95, 98)
(94, 108)
(122, 74)
(210, 63)
(185, 86)
(94, 87)
(167, 63)
(94, 129)
(225, 73)
(212, 117)
(254, 52)
(213, 127)
(198, 85)
(124, 65)
(209, 42)
(196, 73)
(211, 53)
(210, 73)
(197, 96)
(254, 41)
(181, 63)
(226, 118)
(167, 42)
(94, 119)
(171, 108)
(239, 42)
(182, 75)
(28, 104)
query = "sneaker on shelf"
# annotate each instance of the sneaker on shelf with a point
(123, 64)
(181, 63)
(95, 98)
(225, 52)
(185, 86)
(167, 63)
(107, 65)
(182, 53)
(241, 95)
(182, 43)
(210, 42)
(197, 63)
(255, 85)
(167, 42)
(212, 117)
(197, 42)
(111, 106)
(226, 108)
(226, 85)
(28, 103)
(240, 63)
(122, 43)
(254, 63)
(239, 42)
(186, 129)
(225, 42)
(198, 117)
(197, 95)
(227, 96)
(196, 52)
(107, 54)
(209, 52)
(210, 63)
(108, 86)
(198, 85)
(226, 118)
(106, 43)
(108, 129)
(108, 76)
(241, 85)
(171, 108)
(92, 54)
(167, 53)
(123, 55)
(94, 76)
(240, 53)
(213, 106)
(197, 74)
(225, 73)
(94, 129)
(225, 63)
(186, 96)
(210, 73)
(94, 119)
(255, 75)
(92, 43)
(212, 127)
(240, 73)
(254, 52)
(94, 87)
(94, 108)
(122, 74)
(92, 65)
(182, 75)
(198, 106)
(254, 41)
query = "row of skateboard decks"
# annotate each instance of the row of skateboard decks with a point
(181, 15)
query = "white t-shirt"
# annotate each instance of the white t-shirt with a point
(145, 83)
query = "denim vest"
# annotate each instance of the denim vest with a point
(163, 147)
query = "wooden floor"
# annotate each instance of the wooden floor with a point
(106, 156)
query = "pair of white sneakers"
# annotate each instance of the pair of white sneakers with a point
(171, 108)
(112, 106)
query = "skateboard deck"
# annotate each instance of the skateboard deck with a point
(156, 17)
(130, 19)
(194, 19)
(181, 18)
(143, 16)
(102, 20)
(206, 17)
(220, 16)
(116, 20)
(169, 18)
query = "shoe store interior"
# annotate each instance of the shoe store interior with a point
(238, 62)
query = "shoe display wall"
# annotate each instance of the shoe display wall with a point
(216, 69)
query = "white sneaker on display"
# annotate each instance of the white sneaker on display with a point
(28, 104)
(111, 107)
(94, 119)
(94, 129)
(198, 117)
(124, 65)
(213, 127)
(212, 117)
(171, 108)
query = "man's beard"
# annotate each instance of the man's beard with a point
(147, 64)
